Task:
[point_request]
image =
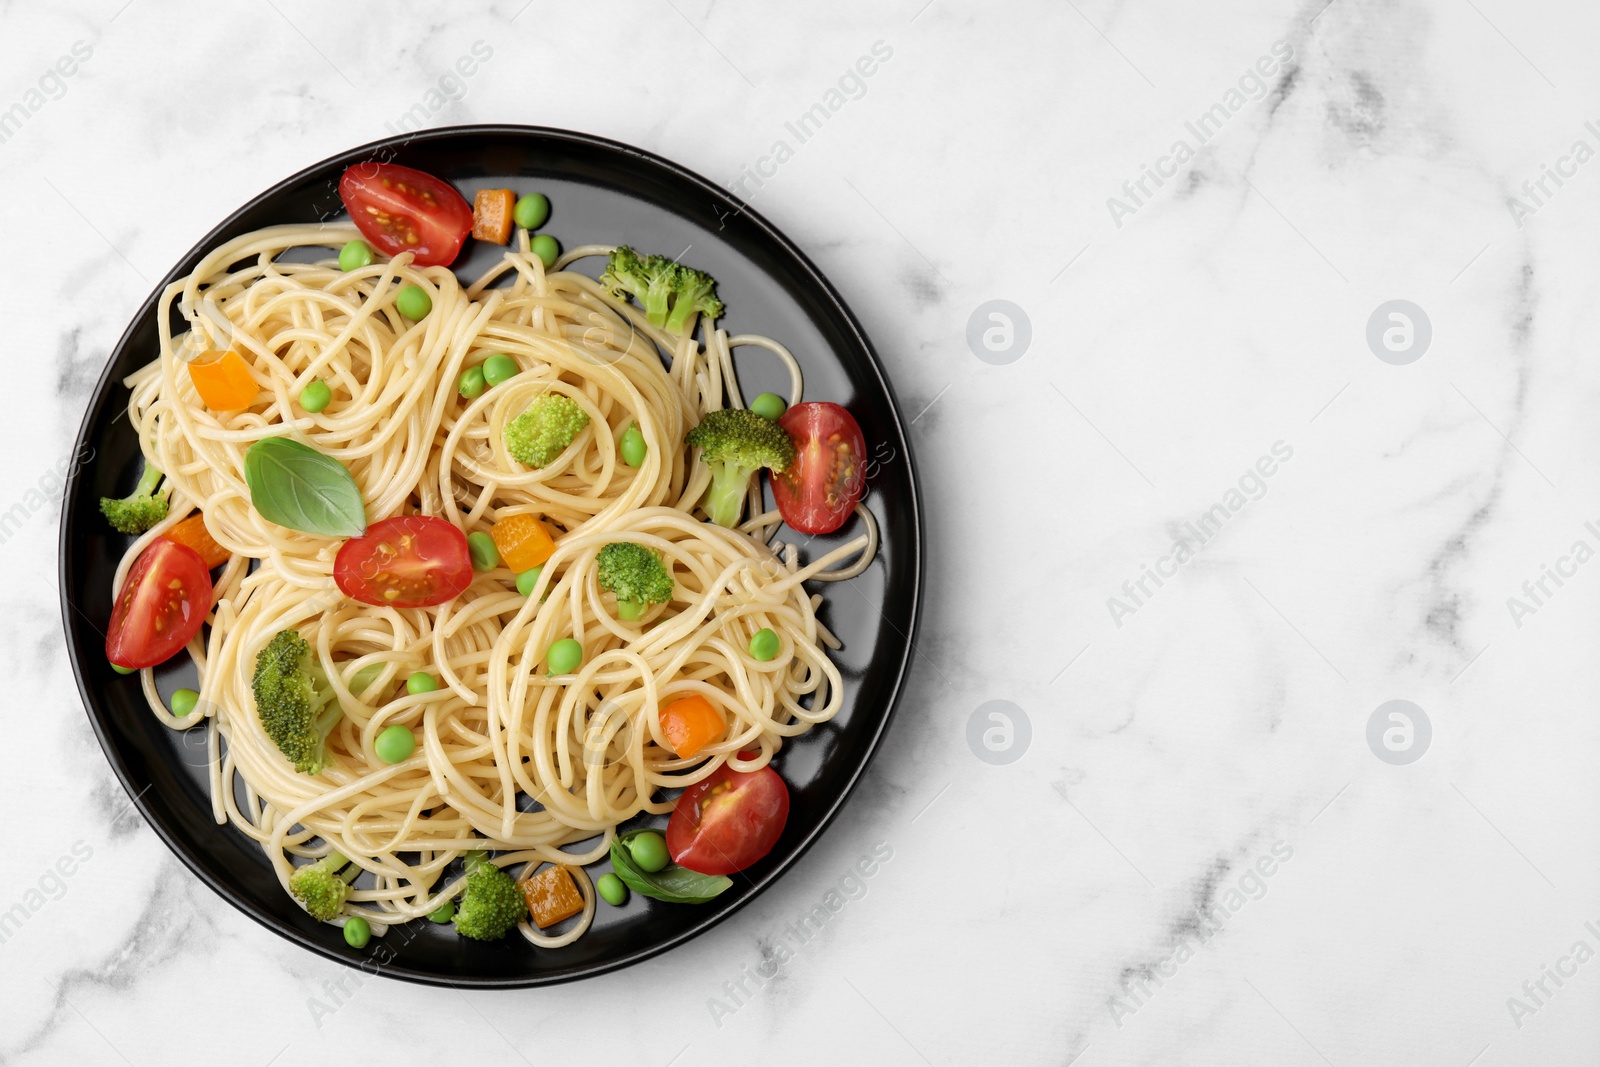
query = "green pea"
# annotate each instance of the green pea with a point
(633, 447)
(443, 913)
(421, 682)
(357, 932)
(769, 406)
(764, 645)
(315, 396)
(120, 669)
(612, 891)
(183, 701)
(527, 580)
(498, 367)
(414, 302)
(471, 384)
(480, 546)
(564, 657)
(355, 255)
(394, 744)
(531, 211)
(649, 851)
(545, 247)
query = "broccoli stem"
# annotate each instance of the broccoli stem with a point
(680, 314)
(655, 304)
(629, 609)
(724, 501)
(148, 481)
(328, 718)
(336, 863)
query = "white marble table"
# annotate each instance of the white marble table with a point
(1194, 856)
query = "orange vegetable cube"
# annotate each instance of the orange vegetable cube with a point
(523, 542)
(192, 533)
(691, 724)
(223, 380)
(491, 214)
(552, 896)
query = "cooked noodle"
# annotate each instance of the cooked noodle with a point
(507, 759)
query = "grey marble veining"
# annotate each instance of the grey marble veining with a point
(1195, 845)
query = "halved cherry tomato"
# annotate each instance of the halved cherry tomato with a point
(523, 541)
(491, 214)
(410, 561)
(192, 533)
(160, 607)
(223, 380)
(403, 210)
(820, 489)
(728, 821)
(691, 724)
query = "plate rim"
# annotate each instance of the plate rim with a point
(836, 304)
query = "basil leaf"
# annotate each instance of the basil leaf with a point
(296, 486)
(673, 884)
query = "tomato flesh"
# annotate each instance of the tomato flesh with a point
(819, 491)
(728, 821)
(399, 209)
(411, 561)
(160, 607)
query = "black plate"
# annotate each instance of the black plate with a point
(600, 191)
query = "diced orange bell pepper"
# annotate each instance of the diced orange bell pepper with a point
(192, 533)
(552, 896)
(523, 542)
(223, 380)
(691, 724)
(491, 214)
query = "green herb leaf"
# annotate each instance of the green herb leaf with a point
(296, 486)
(673, 884)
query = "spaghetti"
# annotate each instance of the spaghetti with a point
(508, 758)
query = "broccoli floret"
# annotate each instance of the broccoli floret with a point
(136, 513)
(491, 904)
(652, 280)
(735, 443)
(295, 701)
(541, 433)
(697, 292)
(660, 284)
(636, 574)
(320, 886)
